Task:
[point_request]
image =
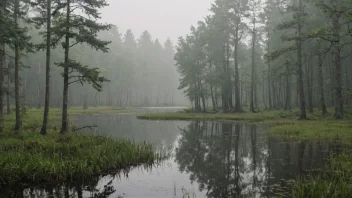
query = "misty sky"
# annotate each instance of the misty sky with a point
(162, 18)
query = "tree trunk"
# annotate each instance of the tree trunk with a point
(64, 126)
(346, 83)
(332, 100)
(288, 89)
(321, 85)
(303, 115)
(266, 107)
(17, 80)
(309, 81)
(337, 59)
(229, 83)
(2, 63)
(274, 94)
(212, 97)
(85, 101)
(238, 107)
(8, 106)
(269, 74)
(252, 109)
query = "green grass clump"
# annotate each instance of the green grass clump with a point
(319, 130)
(27, 156)
(283, 124)
(334, 182)
(30, 157)
(260, 116)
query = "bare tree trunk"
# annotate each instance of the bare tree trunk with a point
(39, 98)
(238, 107)
(274, 94)
(309, 81)
(2, 63)
(252, 109)
(85, 101)
(303, 115)
(269, 73)
(321, 85)
(212, 97)
(47, 72)
(346, 83)
(64, 126)
(8, 91)
(266, 107)
(288, 89)
(17, 80)
(332, 100)
(337, 59)
(229, 83)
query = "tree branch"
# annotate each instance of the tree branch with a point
(85, 127)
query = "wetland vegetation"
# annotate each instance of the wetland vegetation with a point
(88, 112)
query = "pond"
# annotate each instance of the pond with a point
(209, 159)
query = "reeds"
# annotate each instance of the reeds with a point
(334, 182)
(30, 157)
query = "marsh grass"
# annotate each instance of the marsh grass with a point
(27, 156)
(334, 182)
(283, 124)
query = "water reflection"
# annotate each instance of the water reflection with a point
(80, 190)
(237, 160)
(210, 160)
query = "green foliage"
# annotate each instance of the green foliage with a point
(283, 124)
(83, 74)
(28, 156)
(335, 181)
(53, 158)
(83, 29)
(10, 34)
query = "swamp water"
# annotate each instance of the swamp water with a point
(209, 159)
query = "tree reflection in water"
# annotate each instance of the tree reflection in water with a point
(223, 159)
(93, 189)
(239, 160)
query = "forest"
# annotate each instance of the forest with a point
(269, 55)
(255, 101)
(32, 63)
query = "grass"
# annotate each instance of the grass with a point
(27, 156)
(32, 118)
(283, 124)
(334, 182)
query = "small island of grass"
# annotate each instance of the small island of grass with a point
(27, 156)
(283, 124)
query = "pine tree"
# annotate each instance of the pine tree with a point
(338, 12)
(240, 12)
(79, 29)
(45, 7)
(296, 24)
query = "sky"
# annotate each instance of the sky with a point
(162, 18)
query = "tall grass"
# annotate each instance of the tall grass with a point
(27, 156)
(54, 158)
(283, 124)
(334, 182)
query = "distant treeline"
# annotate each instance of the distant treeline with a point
(57, 53)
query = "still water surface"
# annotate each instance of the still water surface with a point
(210, 160)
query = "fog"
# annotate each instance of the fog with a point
(162, 18)
(283, 66)
(216, 55)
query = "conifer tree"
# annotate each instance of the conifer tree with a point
(78, 29)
